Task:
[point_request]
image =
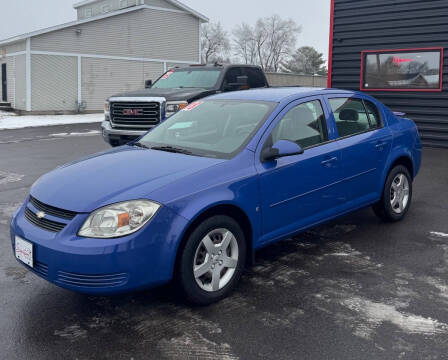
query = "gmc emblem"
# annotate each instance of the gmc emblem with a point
(133, 112)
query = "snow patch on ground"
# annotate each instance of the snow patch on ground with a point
(439, 235)
(88, 133)
(375, 314)
(6, 177)
(12, 121)
(72, 333)
(195, 346)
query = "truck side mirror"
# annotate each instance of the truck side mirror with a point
(148, 84)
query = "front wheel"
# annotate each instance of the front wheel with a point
(212, 260)
(397, 195)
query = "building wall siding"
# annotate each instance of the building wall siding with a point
(145, 33)
(54, 82)
(11, 79)
(105, 6)
(102, 78)
(20, 82)
(13, 48)
(398, 24)
(161, 3)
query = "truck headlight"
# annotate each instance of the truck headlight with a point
(173, 107)
(107, 108)
(119, 219)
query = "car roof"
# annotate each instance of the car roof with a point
(278, 94)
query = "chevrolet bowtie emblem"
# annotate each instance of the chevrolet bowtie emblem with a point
(40, 215)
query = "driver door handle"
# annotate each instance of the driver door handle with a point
(329, 162)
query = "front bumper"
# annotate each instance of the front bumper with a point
(103, 267)
(118, 137)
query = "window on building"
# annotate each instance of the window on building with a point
(405, 70)
(303, 124)
(105, 9)
(89, 12)
(350, 115)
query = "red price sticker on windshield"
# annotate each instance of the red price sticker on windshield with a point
(168, 74)
(192, 106)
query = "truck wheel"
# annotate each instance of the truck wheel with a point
(397, 195)
(212, 260)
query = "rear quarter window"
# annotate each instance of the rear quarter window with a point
(374, 114)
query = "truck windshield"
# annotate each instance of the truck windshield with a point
(210, 128)
(189, 78)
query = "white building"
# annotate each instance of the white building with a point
(113, 46)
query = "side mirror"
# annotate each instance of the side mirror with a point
(148, 84)
(282, 148)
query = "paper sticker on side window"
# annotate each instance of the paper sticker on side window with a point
(167, 75)
(192, 106)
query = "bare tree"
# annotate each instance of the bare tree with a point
(306, 60)
(215, 43)
(244, 44)
(268, 43)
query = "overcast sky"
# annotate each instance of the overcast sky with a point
(21, 16)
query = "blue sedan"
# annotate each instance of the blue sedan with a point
(195, 197)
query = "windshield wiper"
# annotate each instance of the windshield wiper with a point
(140, 145)
(172, 149)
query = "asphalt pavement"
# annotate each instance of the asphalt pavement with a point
(353, 289)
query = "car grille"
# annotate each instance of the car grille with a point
(45, 224)
(53, 211)
(91, 281)
(140, 115)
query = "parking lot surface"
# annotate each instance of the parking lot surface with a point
(353, 289)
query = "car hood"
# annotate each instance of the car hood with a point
(121, 174)
(176, 94)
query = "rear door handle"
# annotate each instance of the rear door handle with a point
(330, 161)
(380, 145)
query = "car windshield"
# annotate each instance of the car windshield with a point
(211, 128)
(191, 78)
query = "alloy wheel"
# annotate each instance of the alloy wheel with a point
(215, 260)
(399, 193)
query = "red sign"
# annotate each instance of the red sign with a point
(168, 74)
(398, 61)
(192, 106)
(133, 112)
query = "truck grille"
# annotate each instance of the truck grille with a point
(139, 115)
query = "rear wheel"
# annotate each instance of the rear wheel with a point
(212, 260)
(397, 195)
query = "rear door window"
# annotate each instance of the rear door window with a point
(350, 116)
(256, 78)
(232, 76)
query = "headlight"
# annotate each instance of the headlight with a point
(175, 106)
(119, 219)
(107, 108)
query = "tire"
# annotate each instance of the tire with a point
(197, 257)
(397, 197)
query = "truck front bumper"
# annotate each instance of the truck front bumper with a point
(118, 137)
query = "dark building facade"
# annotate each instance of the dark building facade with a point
(395, 50)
